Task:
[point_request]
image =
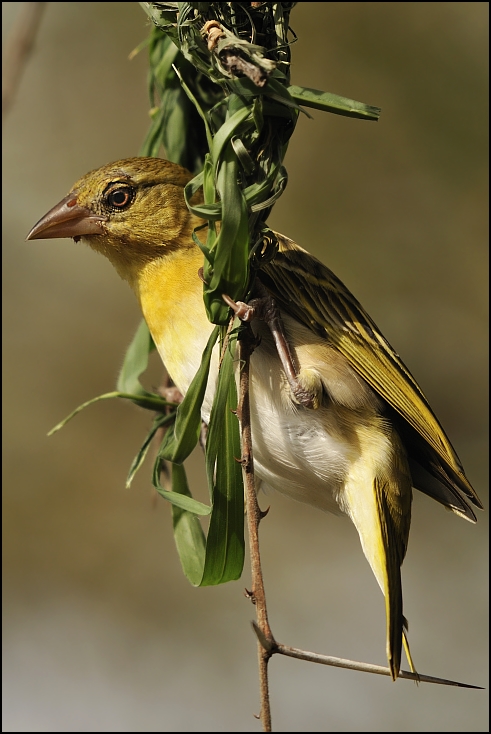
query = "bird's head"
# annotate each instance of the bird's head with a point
(132, 211)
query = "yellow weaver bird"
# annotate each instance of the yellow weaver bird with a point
(369, 435)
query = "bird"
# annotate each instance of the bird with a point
(366, 435)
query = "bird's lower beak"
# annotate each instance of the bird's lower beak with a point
(67, 219)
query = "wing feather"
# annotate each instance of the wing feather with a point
(312, 294)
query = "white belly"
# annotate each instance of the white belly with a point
(303, 453)
(297, 451)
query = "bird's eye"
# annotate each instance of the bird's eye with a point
(119, 197)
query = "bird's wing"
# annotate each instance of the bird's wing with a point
(313, 295)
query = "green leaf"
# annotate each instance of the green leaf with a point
(262, 195)
(159, 421)
(224, 558)
(181, 439)
(173, 122)
(185, 503)
(188, 533)
(193, 99)
(241, 152)
(229, 128)
(162, 69)
(153, 141)
(230, 271)
(135, 362)
(334, 103)
(149, 401)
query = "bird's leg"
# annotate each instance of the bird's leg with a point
(171, 393)
(265, 309)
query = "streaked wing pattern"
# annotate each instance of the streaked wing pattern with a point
(313, 295)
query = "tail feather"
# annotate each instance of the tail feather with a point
(405, 642)
(378, 497)
(394, 621)
(391, 578)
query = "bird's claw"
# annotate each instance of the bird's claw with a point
(243, 311)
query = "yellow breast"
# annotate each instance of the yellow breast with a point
(171, 298)
(306, 454)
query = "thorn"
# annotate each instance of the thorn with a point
(263, 513)
(250, 595)
(256, 716)
(267, 644)
(201, 276)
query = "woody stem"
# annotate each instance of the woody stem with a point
(254, 514)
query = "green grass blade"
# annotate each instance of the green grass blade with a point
(149, 401)
(229, 128)
(160, 420)
(334, 103)
(230, 271)
(225, 542)
(136, 362)
(188, 533)
(185, 503)
(181, 439)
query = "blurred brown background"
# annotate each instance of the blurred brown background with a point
(101, 630)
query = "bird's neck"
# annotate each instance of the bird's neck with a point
(170, 293)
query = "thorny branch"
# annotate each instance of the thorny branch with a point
(267, 645)
(246, 344)
(314, 657)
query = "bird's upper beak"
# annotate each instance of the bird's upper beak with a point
(67, 219)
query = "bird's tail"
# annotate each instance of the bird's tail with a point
(393, 500)
(405, 642)
(378, 497)
(393, 613)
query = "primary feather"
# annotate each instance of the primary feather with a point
(328, 308)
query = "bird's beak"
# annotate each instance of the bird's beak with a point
(67, 219)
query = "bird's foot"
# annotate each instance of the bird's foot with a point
(305, 389)
(309, 388)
